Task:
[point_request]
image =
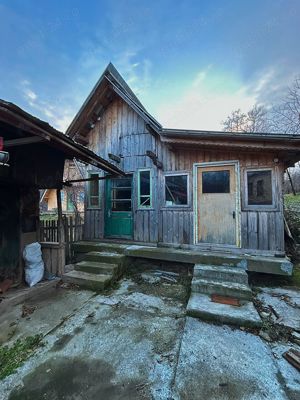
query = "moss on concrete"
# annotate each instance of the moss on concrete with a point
(13, 357)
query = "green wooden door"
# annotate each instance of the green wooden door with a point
(118, 208)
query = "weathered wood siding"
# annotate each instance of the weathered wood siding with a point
(123, 132)
(262, 230)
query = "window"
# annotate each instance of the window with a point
(216, 181)
(71, 198)
(144, 189)
(259, 187)
(176, 190)
(94, 192)
(121, 194)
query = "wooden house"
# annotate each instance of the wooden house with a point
(184, 188)
(37, 153)
(72, 197)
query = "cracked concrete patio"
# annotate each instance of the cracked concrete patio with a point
(135, 342)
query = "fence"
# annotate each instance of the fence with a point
(73, 229)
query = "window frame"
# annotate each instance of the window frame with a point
(140, 206)
(89, 205)
(261, 207)
(177, 206)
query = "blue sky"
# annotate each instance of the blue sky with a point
(189, 62)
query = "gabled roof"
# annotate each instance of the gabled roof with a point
(111, 82)
(14, 116)
(96, 100)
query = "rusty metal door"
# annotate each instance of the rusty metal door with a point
(217, 204)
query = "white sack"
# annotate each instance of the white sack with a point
(34, 265)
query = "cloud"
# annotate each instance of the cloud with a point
(57, 113)
(211, 96)
(30, 94)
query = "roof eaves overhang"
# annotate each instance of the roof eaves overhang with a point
(175, 133)
(15, 116)
(232, 143)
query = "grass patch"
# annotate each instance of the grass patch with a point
(291, 200)
(13, 357)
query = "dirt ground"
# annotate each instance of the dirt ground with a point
(135, 342)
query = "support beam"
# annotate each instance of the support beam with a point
(95, 178)
(23, 141)
(154, 159)
(114, 157)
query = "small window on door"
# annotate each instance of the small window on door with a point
(176, 190)
(93, 191)
(216, 181)
(144, 189)
(259, 188)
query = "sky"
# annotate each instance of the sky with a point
(190, 62)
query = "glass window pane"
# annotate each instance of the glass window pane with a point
(145, 183)
(121, 193)
(176, 190)
(94, 191)
(145, 201)
(94, 201)
(94, 186)
(121, 182)
(216, 181)
(121, 206)
(259, 187)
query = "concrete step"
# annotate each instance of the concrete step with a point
(208, 286)
(221, 273)
(201, 306)
(93, 267)
(85, 247)
(104, 257)
(86, 280)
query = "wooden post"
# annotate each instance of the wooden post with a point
(60, 229)
(61, 259)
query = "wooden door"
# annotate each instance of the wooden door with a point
(217, 204)
(118, 208)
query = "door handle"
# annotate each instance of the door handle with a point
(233, 214)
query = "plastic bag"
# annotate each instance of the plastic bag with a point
(34, 265)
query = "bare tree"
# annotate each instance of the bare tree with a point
(286, 115)
(255, 120)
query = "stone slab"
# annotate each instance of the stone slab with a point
(224, 288)
(86, 280)
(286, 303)
(219, 363)
(201, 306)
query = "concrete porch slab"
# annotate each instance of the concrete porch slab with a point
(219, 363)
(201, 306)
(264, 264)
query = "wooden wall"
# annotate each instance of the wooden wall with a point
(122, 132)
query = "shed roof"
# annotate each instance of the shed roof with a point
(21, 120)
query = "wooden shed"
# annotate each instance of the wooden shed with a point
(183, 188)
(37, 153)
